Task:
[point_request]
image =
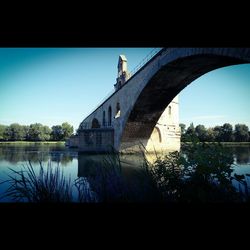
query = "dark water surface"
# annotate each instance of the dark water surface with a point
(76, 165)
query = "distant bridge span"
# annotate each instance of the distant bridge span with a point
(141, 110)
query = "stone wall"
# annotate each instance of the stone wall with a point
(96, 140)
(73, 141)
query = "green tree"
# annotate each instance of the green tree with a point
(183, 133)
(210, 135)
(241, 133)
(190, 133)
(227, 132)
(183, 128)
(191, 129)
(26, 131)
(46, 131)
(38, 132)
(67, 130)
(14, 132)
(57, 133)
(7, 134)
(200, 132)
(2, 130)
(218, 133)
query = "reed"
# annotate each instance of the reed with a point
(49, 185)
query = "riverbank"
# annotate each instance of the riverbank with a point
(223, 143)
(31, 142)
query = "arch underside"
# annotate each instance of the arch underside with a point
(160, 91)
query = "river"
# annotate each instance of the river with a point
(75, 165)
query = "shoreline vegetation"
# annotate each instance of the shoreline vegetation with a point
(63, 142)
(224, 133)
(233, 143)
(32, 142)
(35, 132)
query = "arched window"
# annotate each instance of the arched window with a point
(103, 119)
(169, 110)
(159, 134)
(95, 123)
(118, 110)
(156, 135)
(109, 116)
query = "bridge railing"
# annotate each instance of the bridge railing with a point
(151, 54)
(131, 73)
(88, 125)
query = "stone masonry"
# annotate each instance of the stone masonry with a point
(144, 109)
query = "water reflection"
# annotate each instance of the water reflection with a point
(88, 164)
(85, 165)
(242, 155)
(36, 153)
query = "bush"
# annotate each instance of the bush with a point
(202, 174)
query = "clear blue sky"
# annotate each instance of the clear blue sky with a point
(51, 86)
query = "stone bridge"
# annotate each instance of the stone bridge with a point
(143, 110)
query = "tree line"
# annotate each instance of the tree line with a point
(35, 132)
(224, 133)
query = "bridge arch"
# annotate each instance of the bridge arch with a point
(172, 73)
(157, 132)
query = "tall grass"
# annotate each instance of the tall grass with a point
(84, 192)
(48, 185)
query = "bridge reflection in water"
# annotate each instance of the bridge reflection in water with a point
(117, 177)
(88, 164)
(128, 169)
(131, 164)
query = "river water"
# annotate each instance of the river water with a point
(75, 165)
